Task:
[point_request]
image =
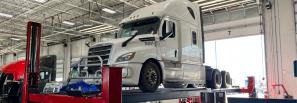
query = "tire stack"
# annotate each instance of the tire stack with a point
(216, 79)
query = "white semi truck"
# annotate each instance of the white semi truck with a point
(160, 44)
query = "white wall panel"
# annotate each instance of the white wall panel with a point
(21, 56)
(57, 50)
(44, 51)
(79, 49)
(9, 58)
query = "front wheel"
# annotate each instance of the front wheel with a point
(150, 77)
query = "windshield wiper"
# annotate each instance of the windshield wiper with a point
(124, 44)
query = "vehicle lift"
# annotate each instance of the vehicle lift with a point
(111, 84)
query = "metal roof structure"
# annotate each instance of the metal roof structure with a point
(77, 18)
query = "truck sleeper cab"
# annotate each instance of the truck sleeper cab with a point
(161, 43)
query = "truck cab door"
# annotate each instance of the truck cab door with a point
(168, 50)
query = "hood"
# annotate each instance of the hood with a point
(112, 41)
(121, 40)
(134, 45)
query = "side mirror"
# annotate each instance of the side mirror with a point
(88, 44)
(168, 30)
(169, 27)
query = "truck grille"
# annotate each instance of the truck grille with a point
(102, 51)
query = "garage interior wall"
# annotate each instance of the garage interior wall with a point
(280, 43)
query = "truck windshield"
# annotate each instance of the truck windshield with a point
(144, 26)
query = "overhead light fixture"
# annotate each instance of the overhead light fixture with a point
(16, 39)
(87, 25)
(151, 1)
(210, 2)
(6, 15)
(198, 1)
(99, 28)
(109, 10)
(68, 23)
(41, 1)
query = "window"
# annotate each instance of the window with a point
(145, 26)
(168, 28)
(191, 12)
(194, 38)
(9, 77)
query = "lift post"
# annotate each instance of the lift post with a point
(31, 76)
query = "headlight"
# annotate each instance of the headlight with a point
(126, 57)
(124, 72)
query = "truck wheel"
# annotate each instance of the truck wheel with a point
(216, 80)
(226, 79)
(175, 85)
(150, 77)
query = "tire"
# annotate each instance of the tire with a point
(175, 85)
(150, 77)
(208, 71)
(216, 81)
(226, 80)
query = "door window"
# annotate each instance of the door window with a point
(194, 38)
(168, 29)
(9, 77)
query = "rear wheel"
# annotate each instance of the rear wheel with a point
(216, 80)
(150, 77)
(226, 79)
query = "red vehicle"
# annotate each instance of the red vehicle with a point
(11, 76)
(14, 71)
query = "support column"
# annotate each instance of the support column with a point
(280, 46)
(67, 58)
